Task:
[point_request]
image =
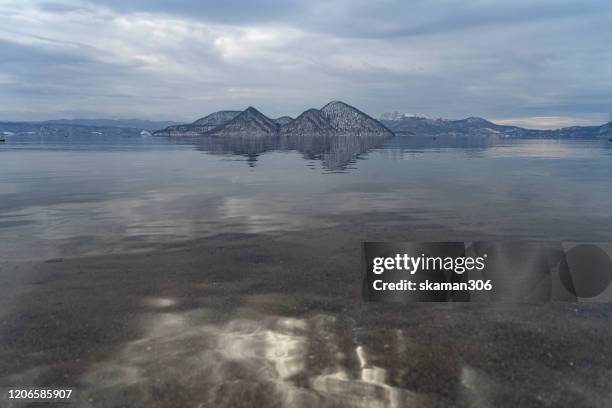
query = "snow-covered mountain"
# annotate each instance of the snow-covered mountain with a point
(311, 122)
(216, 119)
(348, 120)
(335, 118)
(474, 126)
(249, 122)
(202, 125)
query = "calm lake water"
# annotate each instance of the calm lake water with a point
(97, 194)
(154, 272)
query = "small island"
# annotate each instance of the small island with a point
(334, 119)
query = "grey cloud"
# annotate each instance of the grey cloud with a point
(220, 11)
(369, 19)
(180, 60)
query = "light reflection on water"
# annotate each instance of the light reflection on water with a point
(279, 361)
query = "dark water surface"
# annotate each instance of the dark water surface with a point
(146, 271)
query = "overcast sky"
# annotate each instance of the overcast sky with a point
(532, 63)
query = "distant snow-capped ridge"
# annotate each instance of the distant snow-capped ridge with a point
(475, 126)
(335, 118)
(397, 115)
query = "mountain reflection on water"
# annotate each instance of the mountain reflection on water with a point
(336, 153)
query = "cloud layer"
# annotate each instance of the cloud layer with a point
(179, 60)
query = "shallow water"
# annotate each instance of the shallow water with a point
(157, 272)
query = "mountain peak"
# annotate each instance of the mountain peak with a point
(347, 119)
(337, 104)
(477, 120)
(250, 121)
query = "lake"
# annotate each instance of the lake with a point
(148, 271)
